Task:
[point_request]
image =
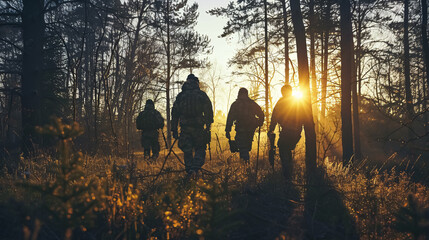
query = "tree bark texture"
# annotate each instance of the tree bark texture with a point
(356, 86)
(304, 81)
(267, 104)
(407, 77)
(346, 79)
(313, 62)
(425, 38)
(286, 41)
(356, 123)
(324, 80)
(33, 28)
(167, 85)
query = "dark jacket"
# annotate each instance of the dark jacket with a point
(245, 113)
(287, 114)
(149, 119)
(192, 108)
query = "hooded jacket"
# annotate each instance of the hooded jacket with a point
(245, 113)
(192, 107)
(150, 119)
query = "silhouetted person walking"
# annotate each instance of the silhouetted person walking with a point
(193, 111)
(286, 114)
(149, 121)
(247, 115)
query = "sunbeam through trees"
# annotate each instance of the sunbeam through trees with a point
(200, 119)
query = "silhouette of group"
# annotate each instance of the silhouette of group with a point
(192, 111)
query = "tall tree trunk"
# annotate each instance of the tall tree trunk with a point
(304, 81)
(267, 106)
(356, 124)
(78, 107)
(359, 47)
(286, 41)
(33, 29)
(327, 19)
(425, 38)
(96, 89)
(128, 93)
(96, 94)
(168, 75)
(425, 95)
(418, 90)
(346, 78)
(89, 44)
(407, 77)
(356, 85)
(313, 62)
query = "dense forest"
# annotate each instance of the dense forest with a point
(75, 74)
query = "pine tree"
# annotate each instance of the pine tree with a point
(304, 81)
(346, 79)
(33, 31)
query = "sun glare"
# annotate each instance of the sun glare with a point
(297, 94)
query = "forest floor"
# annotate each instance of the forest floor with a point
(138, 199)
(272, 207)
(342, 204)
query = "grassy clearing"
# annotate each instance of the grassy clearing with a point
(74, 196)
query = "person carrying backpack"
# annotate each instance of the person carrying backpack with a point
(247, 115)
(193, 111)
(149, 121)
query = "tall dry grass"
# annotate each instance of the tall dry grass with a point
(74, 196)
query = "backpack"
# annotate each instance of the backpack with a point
(191, 104)
(246, 116)
(149, 120)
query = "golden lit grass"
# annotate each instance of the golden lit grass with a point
(374, 198)
(135, 198)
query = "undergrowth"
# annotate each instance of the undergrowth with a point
(75, 196)
(378, 200)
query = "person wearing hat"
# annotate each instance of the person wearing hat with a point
(192, 111)
(149, 121)
(247, 115)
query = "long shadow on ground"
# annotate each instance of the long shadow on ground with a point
(326, 216)
(276, 208)
(267, 208)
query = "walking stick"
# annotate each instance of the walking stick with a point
(257, 151)
(165, 139)
(272, 151)
(218, 142)
(172, 151)
(165, 160)
(208, 143)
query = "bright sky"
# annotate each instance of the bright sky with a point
(223, 48)
(212, 26)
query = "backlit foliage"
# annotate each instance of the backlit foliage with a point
(374, 198)
(74, 196)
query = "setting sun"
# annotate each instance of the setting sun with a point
(297, 94)
(214, 119)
